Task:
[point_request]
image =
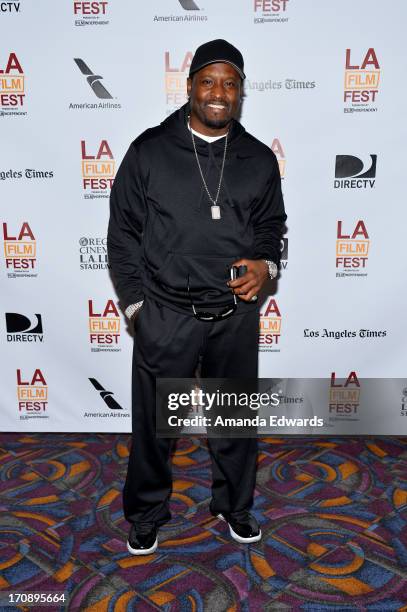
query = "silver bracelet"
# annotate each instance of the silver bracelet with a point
(133, 309)
(273, 270)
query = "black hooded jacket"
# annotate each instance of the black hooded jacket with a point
(161, 234)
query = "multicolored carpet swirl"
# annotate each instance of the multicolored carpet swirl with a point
(333, 513)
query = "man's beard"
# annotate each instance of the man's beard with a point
(215, 123)
(212, 122)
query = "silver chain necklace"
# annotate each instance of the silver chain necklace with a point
(215, 208)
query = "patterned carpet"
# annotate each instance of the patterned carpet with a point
(333, 513)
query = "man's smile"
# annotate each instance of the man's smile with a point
(217, 106)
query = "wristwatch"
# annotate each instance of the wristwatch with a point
(273, 270)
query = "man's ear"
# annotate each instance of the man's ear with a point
(189, 86)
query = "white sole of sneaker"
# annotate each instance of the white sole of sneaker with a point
(142, 551)
(236, 536)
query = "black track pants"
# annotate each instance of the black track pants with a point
(168, 345)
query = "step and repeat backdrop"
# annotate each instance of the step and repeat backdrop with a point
(79, 80)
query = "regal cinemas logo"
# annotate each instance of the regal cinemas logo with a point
(90, 13)
(270, 326)
(361, 82)
(12, 87)
(32, 395)
(352, 249)
(20, 328)
(176, 80)
(104, 327)
(354, 173)
(344, 398)
(98, 169)
(20, 251)
(279, 153)
(270, 11)
(93, 253)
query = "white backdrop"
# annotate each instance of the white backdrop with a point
(295, 59)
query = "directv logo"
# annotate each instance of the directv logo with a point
(10, 7)
(21, 329)
(284, 253)
(354, 173)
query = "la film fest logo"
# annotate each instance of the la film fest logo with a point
(361, 82)
(270, 326)
(344, 398)
(10, 7)
(97, 87)
(98, 170)
(176, 73)
(352, 249)
(32, 395)
(90, 13)
(351, 172)
(104, 327)
(12, 87)
(270, 11)
(20, 251)
(279, 153)
(93, 253)
(21, 328)
(192, 12)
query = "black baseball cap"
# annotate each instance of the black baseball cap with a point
(214, 51)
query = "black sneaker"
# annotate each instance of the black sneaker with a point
(243, 526)
(142, 539)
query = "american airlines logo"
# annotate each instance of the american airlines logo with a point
(191, 12)
(189, 5)
(93, 79)
(107, 396)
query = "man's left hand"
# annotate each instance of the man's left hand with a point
(249, 284)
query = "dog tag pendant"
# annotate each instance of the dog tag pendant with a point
(215, 212)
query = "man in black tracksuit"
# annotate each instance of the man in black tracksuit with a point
(193, 197)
